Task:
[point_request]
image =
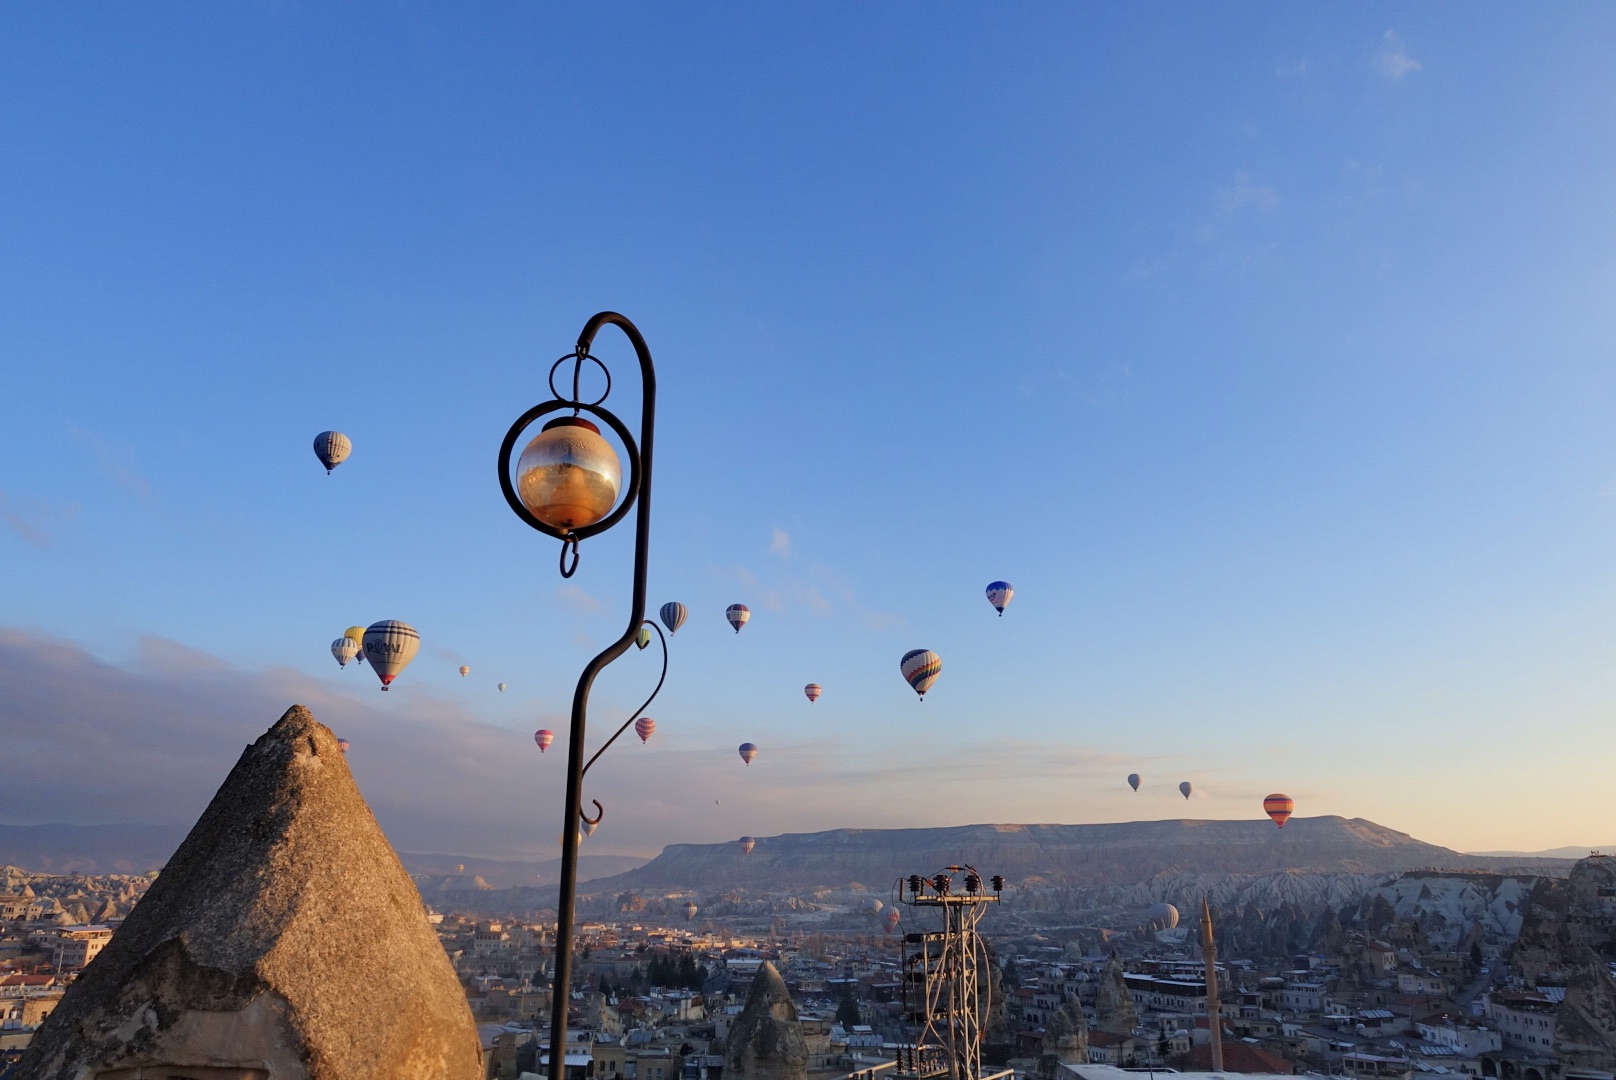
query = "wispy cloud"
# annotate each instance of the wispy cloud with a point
(576, 600)
(780, 543)
(37, 523)
(117, 462)
(1243, 192)
(1296, 70)
(1393, 61)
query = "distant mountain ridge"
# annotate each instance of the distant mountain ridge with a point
(1068, 856)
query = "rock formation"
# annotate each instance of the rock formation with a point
(1585, 1030)
(1112, 1002)
(765, 1042)
(1066, 1039)
(283, 941)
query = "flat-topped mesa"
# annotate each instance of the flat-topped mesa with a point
(283, 941)
(765, 1042)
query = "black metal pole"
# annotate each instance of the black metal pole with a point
(561, 985)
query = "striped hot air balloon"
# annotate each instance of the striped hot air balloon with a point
(332, 448)
(737, 614)
(1279, 808)
(999, 594)
(643, 727)
(673, 616)
(390, 645)
(813, 690)
(892, 919)
(748, 751)
(921, 667)
(746, 844)
(544, 737)
(642, 637)
(344, 649)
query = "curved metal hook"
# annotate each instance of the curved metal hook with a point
(662, 678)
(569, 544)
(600, 812)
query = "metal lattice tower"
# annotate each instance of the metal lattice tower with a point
(942, 994)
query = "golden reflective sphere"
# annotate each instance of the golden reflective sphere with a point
(569, 476)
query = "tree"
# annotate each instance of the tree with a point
(847, 1011)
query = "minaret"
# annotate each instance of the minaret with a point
(1209, 950)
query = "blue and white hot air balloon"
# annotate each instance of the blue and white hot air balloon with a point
(673, 616)
(999, 594)
(344, 649)
(737, 614)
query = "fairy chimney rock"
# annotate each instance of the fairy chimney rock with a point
(283, 941)
(765, 1042)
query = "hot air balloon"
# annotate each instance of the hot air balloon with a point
(1133, 780)
(892, 920)
(332, 448)
(643, 727)
(544, 737)
(746, 844)
(921, 667)
(502, 688)
(872, 908)
(358, 635)
(1279, 808)
(1185, 788)
(999, 594)
(737, 614)
(390, 645)
(690, 910)
(643, 638)
(1160, 916)
(589, 827)
(748, 752)
(673, 616)
(344, 649)
(464, 671)
(460, 868)
(342, 744)
(813, 690)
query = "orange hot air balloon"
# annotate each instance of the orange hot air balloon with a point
(1279, 808)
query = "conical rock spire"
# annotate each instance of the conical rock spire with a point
(283, 939)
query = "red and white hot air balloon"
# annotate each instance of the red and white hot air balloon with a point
(813, 690)
(544, 737)
(643, 727)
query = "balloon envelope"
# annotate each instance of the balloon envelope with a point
(673, 616)
(1133, 780)
(1279, 808)
(690, 910)
(1184, 789)
(358, 635)
(643, 638)
(747, 844)
(390, 645)
(643, 727)
(813, 690)
(464, 671)
(892, 919)
(502, 688)
(999, 594)
(332, 448)
(748, 752)
(589, 827)
(737, 614)
(921, 667)
(342, 744)
(1161, 916)
(344, 649)
(544, 737)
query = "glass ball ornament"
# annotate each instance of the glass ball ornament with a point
(569, 476)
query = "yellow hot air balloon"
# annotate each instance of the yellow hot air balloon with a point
(356, 634)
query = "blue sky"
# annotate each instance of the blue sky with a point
(1266, 350)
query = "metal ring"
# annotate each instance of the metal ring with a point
(580, 359)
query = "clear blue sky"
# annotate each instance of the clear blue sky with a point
(1267, 350)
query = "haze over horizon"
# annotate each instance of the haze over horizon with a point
(1267, 352)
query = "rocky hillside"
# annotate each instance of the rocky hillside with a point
(1050, 857)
